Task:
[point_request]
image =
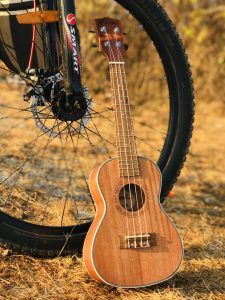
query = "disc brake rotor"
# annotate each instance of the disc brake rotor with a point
(47, 121)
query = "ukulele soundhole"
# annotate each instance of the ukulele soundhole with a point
(132, 197)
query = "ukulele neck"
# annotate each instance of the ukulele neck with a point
(126, 144)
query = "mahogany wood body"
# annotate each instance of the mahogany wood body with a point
(103, 258)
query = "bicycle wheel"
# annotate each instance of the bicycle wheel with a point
(45, 207)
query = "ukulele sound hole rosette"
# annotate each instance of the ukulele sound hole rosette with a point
(132, 197)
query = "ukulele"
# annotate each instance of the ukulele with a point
(131, 242)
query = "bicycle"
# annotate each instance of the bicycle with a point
(42, 212)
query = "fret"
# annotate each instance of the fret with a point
(122, 121)
(124, 104)
(125, 151)
(128, 158)
(131, 152)
(126, 146)
(121, 97)
(129, 172)
(125, 160)
(132, 155)
(130, 168)
(130, 175)
(123, 145)
(120, 72)
(116, 62)
(124, 164)
(129, 131)
(125, 132)
(124, 113)
(129, 161)
(118, 130)
(133, 162)
(121, 107)
(134, 168)
(123, 137)
(121, 100)
(127, 142)
(124, 157)
(126, 136)
(120, 89)
(128, 117)
(120, 80)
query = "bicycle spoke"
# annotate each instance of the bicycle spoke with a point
(50, 163)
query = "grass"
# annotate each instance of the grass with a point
(197, 209)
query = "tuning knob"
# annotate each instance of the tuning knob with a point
(94, 45)
(91, 31)
(126, 47)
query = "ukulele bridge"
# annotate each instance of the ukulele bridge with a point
(139, 241)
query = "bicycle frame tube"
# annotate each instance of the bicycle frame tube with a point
(70, 47)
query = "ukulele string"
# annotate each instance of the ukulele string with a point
(125, 147)
(121, 100)
(139, 182)
(123, 71)
(115, 101)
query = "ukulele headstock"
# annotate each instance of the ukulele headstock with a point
(110, 37)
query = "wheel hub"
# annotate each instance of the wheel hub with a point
(55, 113)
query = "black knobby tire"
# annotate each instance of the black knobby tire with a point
(51, 241)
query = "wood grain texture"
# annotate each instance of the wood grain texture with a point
(104, 259)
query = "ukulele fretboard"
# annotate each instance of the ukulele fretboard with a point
(126, 144)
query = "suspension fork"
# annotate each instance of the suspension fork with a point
(70, 47)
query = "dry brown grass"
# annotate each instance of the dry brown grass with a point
(197, 209)
(198, 212)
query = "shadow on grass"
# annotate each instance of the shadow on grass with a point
(189, 282)
(214, 249)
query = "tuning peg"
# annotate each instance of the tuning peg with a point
(124, 33)
(126, 47)
(94, 45)
(91, 31)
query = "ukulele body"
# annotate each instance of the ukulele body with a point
(125, 248)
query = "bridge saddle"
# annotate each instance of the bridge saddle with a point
(138, 241)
